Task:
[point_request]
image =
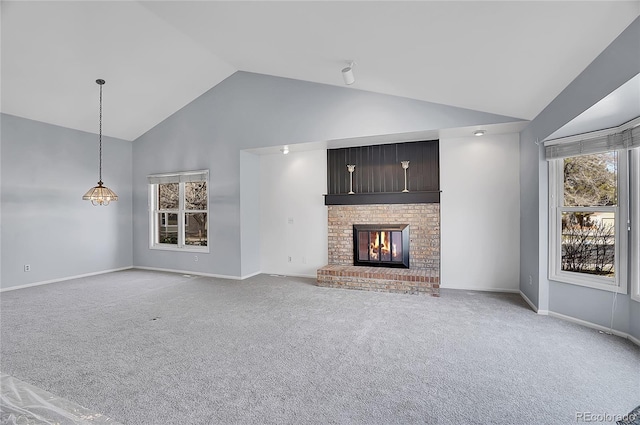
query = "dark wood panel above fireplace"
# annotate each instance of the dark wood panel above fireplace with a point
(383, 198)
(379, 178)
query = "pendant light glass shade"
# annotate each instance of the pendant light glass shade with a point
(100, 195)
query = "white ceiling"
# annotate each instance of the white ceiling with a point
(508, 58)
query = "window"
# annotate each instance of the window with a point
(178, 211)
(593, 198)
(586, 220)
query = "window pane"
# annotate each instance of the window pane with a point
(588, 242)
(195, 195)
(591, 180)
(195, 229)
(168, 196)
(168, 228)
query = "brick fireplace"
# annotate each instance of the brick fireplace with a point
(423, 275)
(384, 188)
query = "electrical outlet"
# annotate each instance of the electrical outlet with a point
(27, 268)
(290, 220)
(304, 260)
(195, 258)
(289, 259)
(530, 280)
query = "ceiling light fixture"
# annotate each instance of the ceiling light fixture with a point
(100, 195)
(347, 74)
(285, 150)
(479, 133)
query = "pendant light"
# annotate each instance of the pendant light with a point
(100, 195)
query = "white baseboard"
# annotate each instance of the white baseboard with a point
(62, 279)
(579, 321)
(310, 276)
(634, 339)
(531, 304)
(247, 276)
(594, 326)
(220, 276)
(191, 272)
(464, 288)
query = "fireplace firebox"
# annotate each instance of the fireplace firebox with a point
(381, 245)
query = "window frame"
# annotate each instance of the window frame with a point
(634, 250)
(556, 207)
(181, 178)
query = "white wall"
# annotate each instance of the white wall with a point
(480, 212)
(480, 215)
(291, 188)
(249, 214)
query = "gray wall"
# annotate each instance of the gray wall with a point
(529, 226)
(252, 110)
(45, 223)
(1, 119)
(593, 305)
(634, 319)
(617, 64)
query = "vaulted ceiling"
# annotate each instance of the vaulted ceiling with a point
(507, 58)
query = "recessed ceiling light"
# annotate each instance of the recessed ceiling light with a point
(479, 133)
(285, 149)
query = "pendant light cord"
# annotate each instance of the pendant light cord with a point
(100, 195)
(100, 136)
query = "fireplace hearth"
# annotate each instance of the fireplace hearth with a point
(381, 245)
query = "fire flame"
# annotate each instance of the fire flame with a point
(382, 246)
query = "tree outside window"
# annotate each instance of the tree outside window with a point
(195, 200)
(590, 194)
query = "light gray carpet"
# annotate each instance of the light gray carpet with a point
(155, 348)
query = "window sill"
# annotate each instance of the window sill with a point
(202, 249)
(588, 281)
